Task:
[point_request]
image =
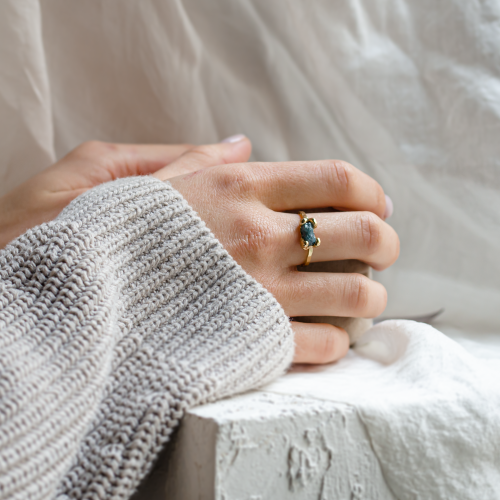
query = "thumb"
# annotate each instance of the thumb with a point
(234, 149)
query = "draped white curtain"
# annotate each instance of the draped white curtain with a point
(408, 91)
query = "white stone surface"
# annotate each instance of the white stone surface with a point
(269, 446)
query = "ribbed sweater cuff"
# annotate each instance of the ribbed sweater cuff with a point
(119, 316)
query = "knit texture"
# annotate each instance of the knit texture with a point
(114, 319)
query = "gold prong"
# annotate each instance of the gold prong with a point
(314, 223)
(318, 242)
(305, 244)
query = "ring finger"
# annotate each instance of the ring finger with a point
(344, 235)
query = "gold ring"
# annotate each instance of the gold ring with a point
(308, 239)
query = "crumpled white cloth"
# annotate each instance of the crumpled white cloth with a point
(408, 91)
(430, 407)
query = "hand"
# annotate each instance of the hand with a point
(244, 205)
(43, 197)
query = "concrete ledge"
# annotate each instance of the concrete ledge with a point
(264, 445)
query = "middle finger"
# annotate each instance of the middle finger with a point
(316, 184)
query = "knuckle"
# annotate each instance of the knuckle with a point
(235, 179)
(325, 348)
(358, 293)
(253, 237)
(295, 290)
(368, 227)
(257, 238)
(93, 148)
(340, 176)
(206, 152)
(289, 296)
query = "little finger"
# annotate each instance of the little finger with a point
(319, 343)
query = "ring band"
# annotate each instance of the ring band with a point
(308, 239)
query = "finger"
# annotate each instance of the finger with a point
(145, 159)
(327, 183)
(211, 155)
(344, 235)
(319, 343)
(121, 160)
(331, 294)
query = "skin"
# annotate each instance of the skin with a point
(252, 208)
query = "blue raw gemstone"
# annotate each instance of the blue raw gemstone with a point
(307, 233)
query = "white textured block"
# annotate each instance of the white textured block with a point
(269, 446)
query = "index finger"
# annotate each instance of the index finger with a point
(121, 160)
(316, 184)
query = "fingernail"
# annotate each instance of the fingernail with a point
(389, 207)
(234, 138)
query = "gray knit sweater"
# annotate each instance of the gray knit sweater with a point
(114, 319)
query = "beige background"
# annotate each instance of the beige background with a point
(407, 91)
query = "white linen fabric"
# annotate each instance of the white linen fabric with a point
(407, 91)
